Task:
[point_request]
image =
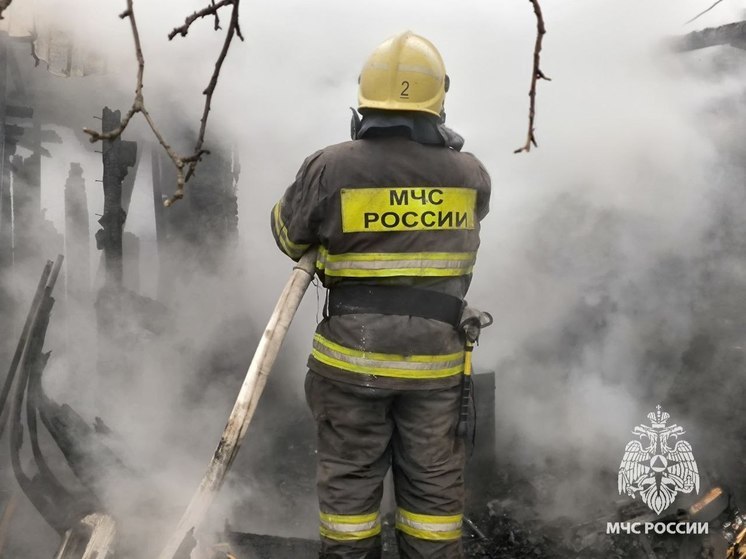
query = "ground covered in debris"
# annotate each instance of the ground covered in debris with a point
(510, 538)
(512, 527)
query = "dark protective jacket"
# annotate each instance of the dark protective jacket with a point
(387, 209)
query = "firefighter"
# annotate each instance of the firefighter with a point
(395, 215)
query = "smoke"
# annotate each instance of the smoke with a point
(602, 258)
(166, 383)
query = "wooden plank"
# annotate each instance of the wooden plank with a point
(27, 327)
(93, 538)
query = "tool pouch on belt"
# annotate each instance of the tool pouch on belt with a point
(471, 323)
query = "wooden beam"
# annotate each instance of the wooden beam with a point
(733, 34)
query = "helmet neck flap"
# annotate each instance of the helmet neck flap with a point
(419, 127)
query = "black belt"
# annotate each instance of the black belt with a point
(394, 299)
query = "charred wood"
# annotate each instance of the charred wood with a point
(86, 455)
(53, 502)
(118, 157)
(733, 34)
(27, 327)
(83, 449)
(131, 261)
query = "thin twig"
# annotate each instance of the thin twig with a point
(212, 9)
(216, 26)
(536, 75)
(703, 13)
(138, 104)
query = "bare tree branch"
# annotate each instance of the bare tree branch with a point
(233, 29)
(703, 13)
(536, 75)
(138, 104)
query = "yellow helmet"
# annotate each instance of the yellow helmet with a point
(405, 73)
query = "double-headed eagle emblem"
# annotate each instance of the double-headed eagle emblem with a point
(655, 469)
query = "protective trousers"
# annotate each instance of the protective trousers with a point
(362, 431)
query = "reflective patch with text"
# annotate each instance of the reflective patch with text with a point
(407, 209)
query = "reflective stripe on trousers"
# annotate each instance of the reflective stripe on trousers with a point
(361, 433)
(350, 527)
(386, 364)
(389, 264)
(429, 527)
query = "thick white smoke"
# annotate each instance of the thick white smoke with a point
(592, 255)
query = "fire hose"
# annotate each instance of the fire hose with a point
(246, 402)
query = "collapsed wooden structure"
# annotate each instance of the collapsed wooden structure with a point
(27, 107)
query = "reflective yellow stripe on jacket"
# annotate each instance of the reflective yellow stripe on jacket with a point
(429, 527)
(389, 264)
(349, 527)
(387, 364)
(293, 250)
